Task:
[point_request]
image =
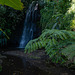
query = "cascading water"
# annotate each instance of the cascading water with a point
(30, 24)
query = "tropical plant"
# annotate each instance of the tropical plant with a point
(16, 4)
(73, 25)
(3, 37)
(68, 19)
(54, 15)
(69, 52)
(15, 17)
(53, 41)
(4, 33)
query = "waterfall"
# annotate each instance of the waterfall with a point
(31, 19)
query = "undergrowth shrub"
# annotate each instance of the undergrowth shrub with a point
(58, 15)
(11, 19)
(54, 42)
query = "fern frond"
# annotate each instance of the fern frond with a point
(53, 41)
(70, 52)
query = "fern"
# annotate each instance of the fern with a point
(69, 51)
(53, 41)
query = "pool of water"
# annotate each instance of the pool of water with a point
(13, 65)
(16, 65)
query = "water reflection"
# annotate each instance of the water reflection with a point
(18, 66)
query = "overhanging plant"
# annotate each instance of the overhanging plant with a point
(16, 4)
(54, 42)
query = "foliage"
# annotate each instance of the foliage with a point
(12, 3)
(4, 33)
(70, 17)
(3, 19)
(69, 52)
(73, 25)
(72, 8)
(5, 29)
(3, 37)
(67, 21)
(58, 14)
(53, 41)
(11, 19)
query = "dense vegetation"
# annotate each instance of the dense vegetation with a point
(58, 15)
(57, 43)
(58, 36)
(58, 28)
(10, 19)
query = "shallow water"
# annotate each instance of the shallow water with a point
(15, 66)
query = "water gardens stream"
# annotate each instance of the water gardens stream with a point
(16, 62)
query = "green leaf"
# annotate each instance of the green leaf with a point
(56, 44)
(16, 4)
(4, 33)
